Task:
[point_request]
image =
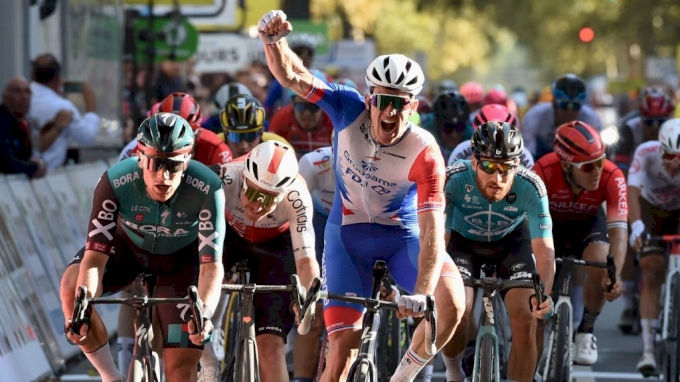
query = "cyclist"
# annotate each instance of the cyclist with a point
(223, 94)
(489, 113)
(568, 104)
(450, 124)
(486, 202)
(579, 179)
(473, 93)
(303, 124)
(445, 86)
(208, 148)
(654, 202)
(269, 223)
(389, 197)
(159, 213)
(242, 121)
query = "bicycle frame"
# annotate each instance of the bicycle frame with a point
(672, 269)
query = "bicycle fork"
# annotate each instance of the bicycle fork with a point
(489, 330)
(143, 352)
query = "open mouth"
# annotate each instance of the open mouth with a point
(163, 189)
(388, 125)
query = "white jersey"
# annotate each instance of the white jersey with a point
(293, 213)
(538, 126)
(316, 168)
(464, 151)
(648, 174)
(127, 150)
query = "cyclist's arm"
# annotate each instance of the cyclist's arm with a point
(101, 233)
(634, 213)
(637, 176)
(287, 68)
(211, 230)
(617, 217)
(307, 170)
(540, 229)
(429, 174)
(299, 209)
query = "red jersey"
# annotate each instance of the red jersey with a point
(284, 124)
(566, 206)
(208, 148)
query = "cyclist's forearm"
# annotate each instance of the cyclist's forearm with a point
(618, 244)
(307, 269)
(209, 284)
(429, 262)
(91, 271)
(546, 269)
(287, 67)
(634, 204)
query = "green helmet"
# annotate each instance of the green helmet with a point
(165, 133)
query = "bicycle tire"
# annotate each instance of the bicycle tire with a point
(362, 371)
(561, 354)
(231, 329)
(486, 359)
(502, 324)
(248, 368)
(142, 371)
(671, 347)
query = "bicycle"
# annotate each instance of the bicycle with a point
(393, 337)
(487, 355)
(668, 343)
(558, 354)
(243, 364)
(364, 369)
(145, 366)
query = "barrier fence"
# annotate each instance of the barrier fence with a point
(43, 224)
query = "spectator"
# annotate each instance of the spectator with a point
(169, 79)
(47, 102)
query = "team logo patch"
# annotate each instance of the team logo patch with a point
(511, 198)
(139, 217)
(468, 188)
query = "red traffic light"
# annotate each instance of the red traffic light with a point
(586, 34)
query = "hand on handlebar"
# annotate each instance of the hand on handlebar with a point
(78, 325)
(204, 336)
(611, 292)
(637, 230)
(412, 306)
(544, 311)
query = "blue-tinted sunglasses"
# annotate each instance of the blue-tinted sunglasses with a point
(238, 137)
(568, 105)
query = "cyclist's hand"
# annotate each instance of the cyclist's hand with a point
(393, 296)
(637, 228)
(412, 305)
(273, 26)
(616, 289)
(199, 339)
(76, 338)
(543, 311)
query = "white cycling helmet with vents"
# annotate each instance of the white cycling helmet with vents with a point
(271, 165)
(669, 136)
(395, 71)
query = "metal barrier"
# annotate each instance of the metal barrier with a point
(43, 223)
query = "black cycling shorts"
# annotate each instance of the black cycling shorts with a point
(658, 222)
(270, 263)
(512, 255)
(572, 237)
(174, 273)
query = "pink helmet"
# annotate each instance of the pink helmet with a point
(473, 92)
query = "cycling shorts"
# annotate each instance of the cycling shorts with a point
(270, 263)
(572, 237)
(319, 223)
(512, 255)
(174, 272)
(658, 222)
(347, 266)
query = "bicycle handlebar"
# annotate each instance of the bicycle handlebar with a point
(666, 238)
(609, 265)
(83, 306)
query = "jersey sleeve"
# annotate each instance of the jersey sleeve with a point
(129, 150)
(537, 206)
(460, 152)
(537, 168)
(103, 218)
(527, 160)
(299, 211)
(221, 155)
(429, 174)
(343, 104)
(617, 200)
(211, 224)
(637, 174)
(307, 171)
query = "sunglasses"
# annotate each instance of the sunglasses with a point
(568, 105)
(669, 156)
(491, 167)
(654, 122)
(590, 166)
(254, 195)
(156, 163)
(235, 137)
(301, 107)
(381, 101)
(449, 128)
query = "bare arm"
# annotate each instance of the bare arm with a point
(91, 272)
(209, 283)
(544, 250)
(634, 203)
(618, 245)
(431, 250)
(308, 269)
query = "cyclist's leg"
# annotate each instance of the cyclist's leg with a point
(629, 288)
(126, 330)
(449, 297)
(519, 264)
(595, 247)
(343, 273)
(96, 345)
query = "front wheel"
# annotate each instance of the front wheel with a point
(363, 370)
(671, 347)
(143, 371)
(561, 354)
(486, 367)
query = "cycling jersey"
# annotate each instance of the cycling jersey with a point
(567, 207)
(387, 185)
(630, 137)
(648, 174)
(316, 169)
(464, 151)
(208, 149)
(293, 213)
(122, 204)
(538, 127)
(286, 125)
(474, 217)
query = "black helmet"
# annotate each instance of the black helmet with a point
(569, 87)
(451, 108)
(242, 114)
(497, 140)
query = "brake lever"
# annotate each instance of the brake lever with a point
(196, 308)
(538, 287)
(611, 271)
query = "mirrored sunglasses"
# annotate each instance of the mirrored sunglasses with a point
(254, 195)
(381, 101)
(590, 166)
(238, 137)
(171, 165)
(654, 122)
(669, 156)
(491, 167)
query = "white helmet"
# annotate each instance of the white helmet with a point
(669, 136)
(271, 165)
(227, 91)
(395, 71)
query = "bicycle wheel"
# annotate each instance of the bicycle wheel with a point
(142, 371)
(561, 353)
(389, 342)
(671, 347)
(231, 329)
(486, 359)
(248, 368)
(502, 325)
(362, 371)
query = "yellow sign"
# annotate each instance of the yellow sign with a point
(254, 9)
(172, 2)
